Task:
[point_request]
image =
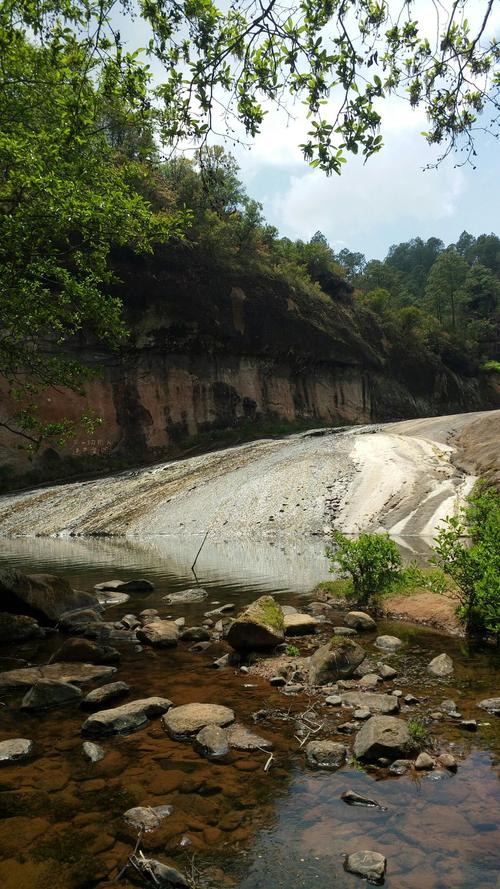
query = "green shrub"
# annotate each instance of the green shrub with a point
(372, 561)
(417, 731)
(468, 550)
(292, 651)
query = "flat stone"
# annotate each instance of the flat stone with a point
(379, 703)
(107, 598)
(370, 680)
(370, 865)
(299, 624)
(212, 742)
(360, 621)
(139, 586)
(105, 693)
(344, 631)
(362, 713)
(411, 699)
(333, 700)
(336, 660)
(76, 674)
(147, 818)
(388, 643)
(16, 750)
(424, 761)
(383, 736)
(325, 754)
(48, 693)
(386, 671)
(492, 705)
(196, 594)
(242, 738)
(130, 622)
(188, 719)
(440, 666)
(92, 751)
(159, 634)
(18, 627)
(126, 718)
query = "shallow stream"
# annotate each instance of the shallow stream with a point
(235, 824)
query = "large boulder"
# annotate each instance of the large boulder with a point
(76, 674)
(441, 666)
(383, 736)
(18, 627)
(300, 624)
(359, 620)
(336, 660)
(261, 625)
(15, 750)
(49, 693)
(127, 718)
(159, 633)
(380, 703)
(180, 722)
(85, 651)
(44, 596)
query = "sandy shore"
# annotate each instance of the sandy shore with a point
(400, 477)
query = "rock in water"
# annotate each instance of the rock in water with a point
(370, 865)
(15, 750)
(92, 751)
(212, 742)
(442, 665)
(76, 674)
(424, 762)
(123, 586)
(188, 719)
(187, 596)
(86, 652)
(44, 596)
(359, 620)
(388, 643)
(383, 736)
(127, 718)
(325, 754)
(354, 799)
(380, 703)
(105, 693)
(18, 627)
(492, 705)
(242, 738)
(195, 634)
(300, 624)
(159, 633)
(261, 625)
(147, 818)
(156, 874)
(48, 693)
(336, 660)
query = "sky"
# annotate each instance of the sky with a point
(392, 197)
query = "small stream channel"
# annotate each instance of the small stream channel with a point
(242, 827)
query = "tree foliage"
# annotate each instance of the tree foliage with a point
(372, 561)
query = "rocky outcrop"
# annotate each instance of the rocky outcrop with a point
(43, 596)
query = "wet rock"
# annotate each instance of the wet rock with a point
(199, 646)
(242, 738)
(424, 762)
(354, 799)
(492, 705)
(76, 674)
(123, 586)
(399, 766)
(92, 751)
(195, 634)
(105, 693)
(470, 725)
(362, 713)
(154, 873)
(388, 643)
(440, 666)
(333, 700)
(86, 652)
(148, 614)
(448, 761)
(299, 624)
(159, 634)
(147, 818)
(130, 622)
(261, 625)
(359, 620)
(48, 693)
(43, 596)
(325, 754)
(111, 597)
(188, 719)
(369, 680)
(335, 660)
(126, 718)
(76, 622)
(387, 672)
(370, 865)
(223, 609)
(379, 703)
(383, 736)
(344, 631)
(18, 627)
(16, 750)
(186, 596)
(212, 742)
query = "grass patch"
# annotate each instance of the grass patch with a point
(418, 731)
(411, 581)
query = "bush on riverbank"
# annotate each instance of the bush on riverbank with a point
(372, 563)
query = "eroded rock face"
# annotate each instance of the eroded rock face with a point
(43, 596)
(440, 666)
(127, 718)
(86, 652)
(261, 625)
(325, 754)
(336, 660)
(17, 627)
(159, 633)
(359, 620)
(76, 674)
(49, 693)
(380, 703)
(370, 865)
(15, 750)
(383, 737)
(188, 719)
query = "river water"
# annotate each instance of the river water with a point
(235, 824)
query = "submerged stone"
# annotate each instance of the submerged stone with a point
(127, 718)
(370, 865)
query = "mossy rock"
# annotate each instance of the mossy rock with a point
(336, 660)
(261, 625)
